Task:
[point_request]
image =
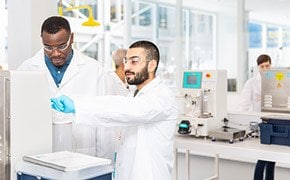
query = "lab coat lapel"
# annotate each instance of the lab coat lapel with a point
(72, 70)
(38, 60)
(149, 86)
(42, 66)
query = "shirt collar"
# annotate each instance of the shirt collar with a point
(57, 73)
(48, 61)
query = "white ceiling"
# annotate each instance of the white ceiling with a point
(271, 11)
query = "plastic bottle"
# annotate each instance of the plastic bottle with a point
(62, 131)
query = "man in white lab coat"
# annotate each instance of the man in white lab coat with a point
(250, 100)
(68, 72)
(149, 117)
(115, 80)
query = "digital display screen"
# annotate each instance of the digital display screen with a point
(192, 80)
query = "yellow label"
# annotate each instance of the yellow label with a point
(279, 76)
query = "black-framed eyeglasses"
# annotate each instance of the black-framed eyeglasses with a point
(62, 47)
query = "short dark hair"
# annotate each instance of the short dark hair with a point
(263, 58)
(150, 48)
(54, 24)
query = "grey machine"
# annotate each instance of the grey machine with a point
(275, 95)
(275, 98)
(25, 118)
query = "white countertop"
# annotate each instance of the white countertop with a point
(249, 150)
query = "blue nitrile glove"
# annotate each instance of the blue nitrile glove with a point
(63, 104)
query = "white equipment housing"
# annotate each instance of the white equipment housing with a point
(204, 101)
(25, 118)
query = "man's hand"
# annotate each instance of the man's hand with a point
(63, 104)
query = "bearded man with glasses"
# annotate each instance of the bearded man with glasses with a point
(69, 72)
(148, 116)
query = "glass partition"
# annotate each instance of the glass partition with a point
(199, 40)
(155, 21)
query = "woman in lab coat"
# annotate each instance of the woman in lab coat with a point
(251, 101)
(68, 72)
(149, 117)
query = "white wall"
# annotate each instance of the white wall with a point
(24, 23)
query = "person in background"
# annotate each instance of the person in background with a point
(115, 80)
(149, 117)
(68, 72)
(250, 100)
(115, 85)
(251, 93)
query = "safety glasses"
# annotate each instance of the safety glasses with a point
(62, 47)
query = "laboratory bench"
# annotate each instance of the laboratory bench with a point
(246, 151)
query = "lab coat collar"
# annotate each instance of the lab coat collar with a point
(258, 76)
(72, 69)
(40, 64)
(79, 60)
(157, 80)
(115, 76)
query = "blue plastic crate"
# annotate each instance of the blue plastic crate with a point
(275, 132)
(23, 176)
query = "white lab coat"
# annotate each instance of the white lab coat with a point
(111, 142)
(83, 76)
(150, 120)
(114, 85)
(250, 98)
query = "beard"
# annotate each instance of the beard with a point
(140, 77)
